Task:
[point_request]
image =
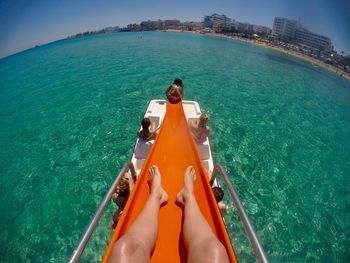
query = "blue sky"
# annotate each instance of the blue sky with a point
(24, 24)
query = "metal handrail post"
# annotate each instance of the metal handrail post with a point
(96, 218)
(258, 249)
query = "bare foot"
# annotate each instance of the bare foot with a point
(188, 189)
(154, 180)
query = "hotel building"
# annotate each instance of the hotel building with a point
(284, 29)
(315, 41)
(216, 21)
(291, 31)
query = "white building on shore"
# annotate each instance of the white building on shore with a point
(216, 21)
(261, 29)
(291, 31)
(315, 41)
(284, 29)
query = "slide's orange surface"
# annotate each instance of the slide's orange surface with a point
(173, 151)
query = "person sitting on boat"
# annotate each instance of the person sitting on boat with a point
(147, 133)
(121, 195)
(219, 196)
(137, 244)
(200, 128)
(174, 93)
(178, 82)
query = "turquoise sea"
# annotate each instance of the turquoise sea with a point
(69, 114)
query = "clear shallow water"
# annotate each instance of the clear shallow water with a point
(69, 112)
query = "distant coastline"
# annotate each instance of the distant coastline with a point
(296, 41)
(306, 58)
(257, 41)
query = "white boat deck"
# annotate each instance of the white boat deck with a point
(156, 112)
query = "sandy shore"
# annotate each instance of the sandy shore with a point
(306, 58)
(311, 60)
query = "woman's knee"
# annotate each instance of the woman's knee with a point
(128, 248)
(209, 249)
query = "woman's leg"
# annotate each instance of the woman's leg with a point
(200, 241)
(139, 241)
(153, 127)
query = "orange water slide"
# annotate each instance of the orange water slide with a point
(173, 151)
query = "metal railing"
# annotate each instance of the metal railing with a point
(79, 249)
(258, 249)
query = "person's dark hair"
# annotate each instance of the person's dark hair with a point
(146, 122)
(174, 93)
(218, 193)
(123, 187)
(178, 82)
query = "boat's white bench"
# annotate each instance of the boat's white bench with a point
(156, 112)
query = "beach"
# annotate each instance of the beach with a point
(309, 59)
(314, 62)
